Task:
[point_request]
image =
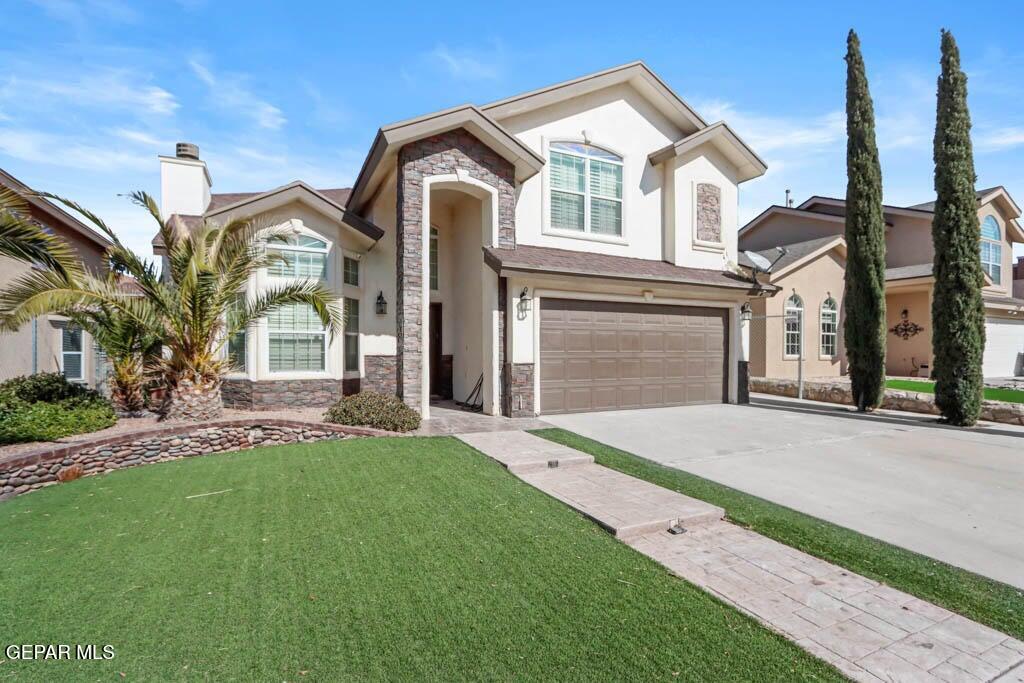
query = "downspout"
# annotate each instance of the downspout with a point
(35, 345)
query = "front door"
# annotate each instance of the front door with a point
(435, 349)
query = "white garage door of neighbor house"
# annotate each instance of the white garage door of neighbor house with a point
(1004, 347)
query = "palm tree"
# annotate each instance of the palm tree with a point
(192, 307)
(24, 240)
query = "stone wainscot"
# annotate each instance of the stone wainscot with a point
(31, 470)
(895, 399)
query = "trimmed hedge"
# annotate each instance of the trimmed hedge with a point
(46, 407)
(370, 409)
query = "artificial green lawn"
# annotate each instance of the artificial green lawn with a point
(926, 387)
(385, 559)
(990, 602)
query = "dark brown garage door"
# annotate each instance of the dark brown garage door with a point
(602, 355)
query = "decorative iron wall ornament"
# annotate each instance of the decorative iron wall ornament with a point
(905, 329)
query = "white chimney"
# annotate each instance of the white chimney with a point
(184, 182)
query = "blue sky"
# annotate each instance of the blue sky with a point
(92, 91)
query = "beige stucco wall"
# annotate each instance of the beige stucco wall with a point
(814, 283)
(16, 348)
(787, 229)
(901, 355)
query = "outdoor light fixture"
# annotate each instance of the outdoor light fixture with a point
(382, 304)
(525, 294)
(746, 312)
(524, 303)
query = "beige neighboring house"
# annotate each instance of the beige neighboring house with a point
(49, 343)
(568, 249)
(811, 279)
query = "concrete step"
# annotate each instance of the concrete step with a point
(521, 453)
(624, 505)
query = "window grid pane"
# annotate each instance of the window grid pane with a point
(992, 260)
(294, 318)
(829, 327)
(606, 180)
(351, 271)
(434, 277)
(351, 335)
(567, 211)
(71, 352)
(792, 333)
(568, 172)
(296, 352)
(605, 217)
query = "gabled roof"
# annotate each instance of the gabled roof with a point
(637, 73)
(531, 259)
(327, 201)
(797, 254)
(393, 137)
(53, 211)
(908, 272)
(726, 141)
(818, 200)
(775, 209)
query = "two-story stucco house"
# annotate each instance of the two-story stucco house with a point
(811, 273)
(49, 343)
(567, 249)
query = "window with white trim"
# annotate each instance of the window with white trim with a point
(351, 271)
(236, 342)
(71, 357)
(586, 189)
(992, 249)
(298, 340)
(434, 279)
(793, 319)
(302, 257)
(829, 327)
(351, 335)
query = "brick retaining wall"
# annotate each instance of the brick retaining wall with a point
(31, 470)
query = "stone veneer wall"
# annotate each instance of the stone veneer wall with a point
(285, 393)
(895, 399)
(28, 471)
(520, 383)
(441, 154)
(381, 374)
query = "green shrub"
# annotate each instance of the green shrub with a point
(48, 387)
(47, 407)
(370, 409)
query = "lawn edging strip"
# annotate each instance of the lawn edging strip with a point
(992, 603)
(32, 470)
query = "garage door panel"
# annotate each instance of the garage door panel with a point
(599, 355)
(1004, 347)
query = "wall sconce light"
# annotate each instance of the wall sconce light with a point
(382, 304)
(746, 312)
(524, 299)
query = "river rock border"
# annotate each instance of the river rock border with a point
(32, 470)
(895, 399)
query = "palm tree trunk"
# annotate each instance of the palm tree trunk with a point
(193, 401)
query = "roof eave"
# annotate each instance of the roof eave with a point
(751, 165)
(392, 137)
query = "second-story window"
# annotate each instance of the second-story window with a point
(586, 189)
(302, 256)
(351, 272)
(992, 249)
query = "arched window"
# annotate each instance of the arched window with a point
(992, 249)
(586, 189)
(794, 318)
(829, 327)
(302, 256)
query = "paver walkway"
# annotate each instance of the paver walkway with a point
(867, 630)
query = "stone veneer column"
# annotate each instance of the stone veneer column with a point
(441, 154)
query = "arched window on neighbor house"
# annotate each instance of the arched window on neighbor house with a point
(829, 328)
(992, 249)
(793, 321)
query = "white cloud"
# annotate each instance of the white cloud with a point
(1000, 139)
(111, 89)
(142, 138)
(230, 92)
(70, 152)
(77, 13)
(466, 65)
(774, 133)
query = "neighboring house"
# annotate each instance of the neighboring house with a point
(568, 249)
(813, 286)
(49, 343)
(1018, 278)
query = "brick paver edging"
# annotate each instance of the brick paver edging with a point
(35, 469)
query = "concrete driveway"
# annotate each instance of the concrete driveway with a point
(952, 494)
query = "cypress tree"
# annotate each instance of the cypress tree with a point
(958, 312)
(864, 295)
